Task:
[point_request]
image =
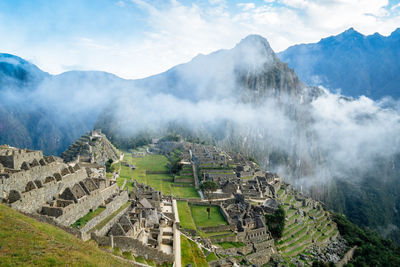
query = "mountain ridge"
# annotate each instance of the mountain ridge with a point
(353, 63)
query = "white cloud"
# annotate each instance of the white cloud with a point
(246, 6)
(395, 6)
(120, 3)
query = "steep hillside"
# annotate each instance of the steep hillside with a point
(27, 242)
(351, 62)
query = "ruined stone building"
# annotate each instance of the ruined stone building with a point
(33, 183)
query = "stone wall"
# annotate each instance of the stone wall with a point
(33, 200)
(73, 212)
(107, 226)
(255, 235)
(18, 181)
(225, 215)
(111, 207)
(219, 228)
(125, 243)
(230, 238)
(19, 156)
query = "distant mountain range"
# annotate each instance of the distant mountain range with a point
(350, 62)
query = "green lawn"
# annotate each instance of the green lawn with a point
(191, 254)
(185, 215)
(27, 242)
(160, 182)
(200, 216)
(226, 245)
(82, 221)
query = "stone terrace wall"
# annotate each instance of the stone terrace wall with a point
(73, 212)
(111, 207)
(219, 228)
(126, 243)
(107, 227)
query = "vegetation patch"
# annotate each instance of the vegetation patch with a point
(200, 216)
(27, 242)
(109, 218)
(372, 250)
(185, 216)
(82, 221)
(162, 182)
(276, 222)
(191, 254)
(211, 257)
(226, 245)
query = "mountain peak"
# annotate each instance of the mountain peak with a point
(350, 32)
(256, 41)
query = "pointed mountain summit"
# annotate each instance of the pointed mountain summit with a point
(250, 67)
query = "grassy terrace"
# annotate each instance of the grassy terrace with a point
(226, 245)
(109, 218)
(185, 215)
(27, 242)
(191, 254)
(82, 221)
(200, 216)
(162, 182)
(297, 237)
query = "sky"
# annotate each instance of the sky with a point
(139, 38)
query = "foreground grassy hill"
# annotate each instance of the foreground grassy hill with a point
(25, 241)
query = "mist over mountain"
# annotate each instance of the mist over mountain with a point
(243, 99)
(351, 63)
(48, 112)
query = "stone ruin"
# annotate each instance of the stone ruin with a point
(92, 147)
(34, 184)
(52, 191)
(148, 228)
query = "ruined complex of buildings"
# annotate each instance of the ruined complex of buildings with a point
(35, 184)
(55, 192)
(143, 221)
(147, 228)
(245, 194)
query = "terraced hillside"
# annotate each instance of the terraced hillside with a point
(91, 147)
(27, 242)
(305, 225)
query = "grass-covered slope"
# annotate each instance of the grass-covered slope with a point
(27, 242)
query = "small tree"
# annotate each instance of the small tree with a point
(108, 165)
(208, 187)
(276, 222)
